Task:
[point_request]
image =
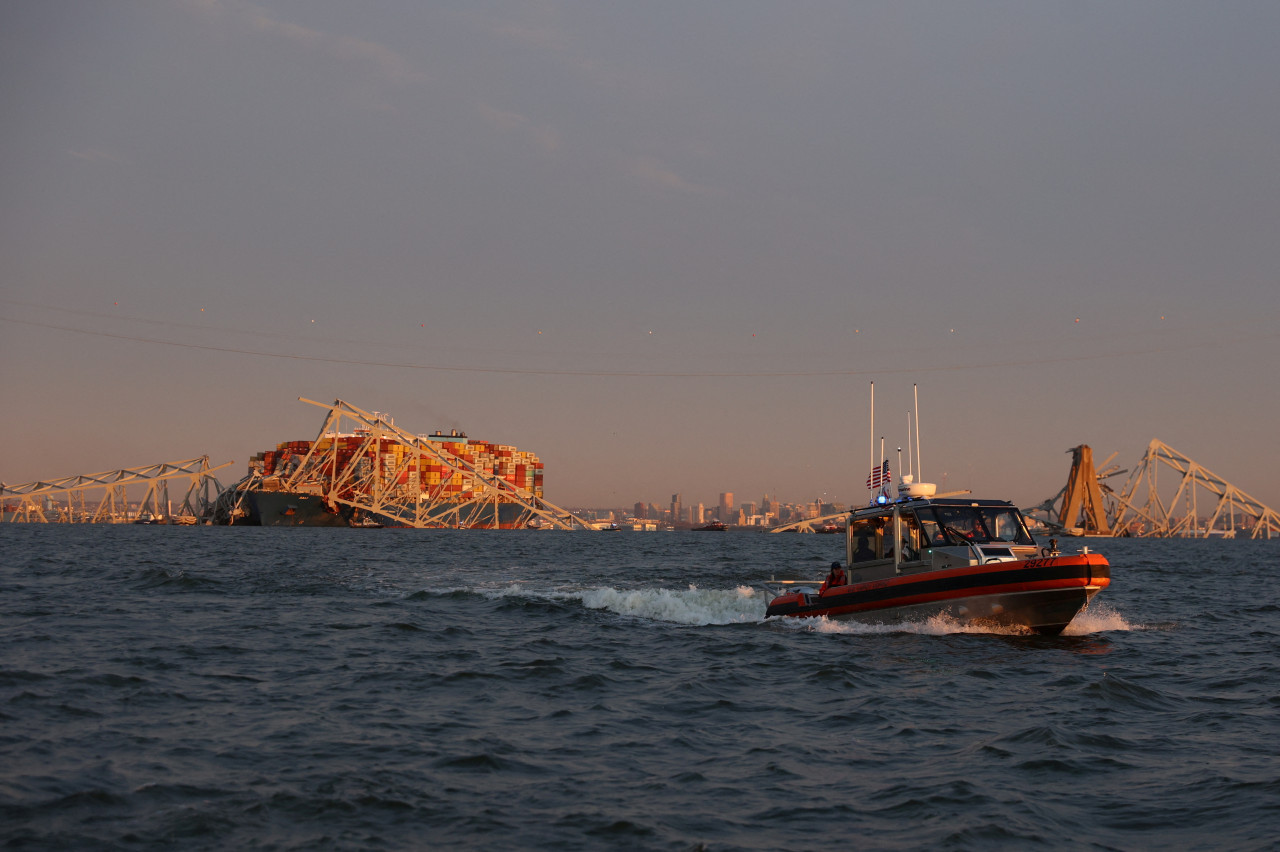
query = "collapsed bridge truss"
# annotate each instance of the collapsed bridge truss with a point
(1201, 505)
(1226, 508)
(381, 479)
(823, 523)
(102, 498)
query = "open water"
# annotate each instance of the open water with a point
(215, 688)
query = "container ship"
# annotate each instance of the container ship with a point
(376, 474)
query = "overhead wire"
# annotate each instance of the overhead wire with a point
(932, 367)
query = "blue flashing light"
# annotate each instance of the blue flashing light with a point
(882, 499)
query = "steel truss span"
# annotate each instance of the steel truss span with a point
(369, 481)
(101, 498)
(1200, 505)
(809, 525)
(1224, 506)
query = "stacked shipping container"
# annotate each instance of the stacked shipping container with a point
(404, 470)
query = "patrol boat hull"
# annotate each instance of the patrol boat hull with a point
(1042, 594)
(971, 560)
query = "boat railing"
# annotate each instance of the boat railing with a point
(972, 545)
(774, 586)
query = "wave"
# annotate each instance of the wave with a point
(937, 625)
(177, 579)
(692, 606)
(699, 607)
(1098, 618)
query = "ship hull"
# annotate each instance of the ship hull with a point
(1042, 594)
(487, 516)
(291, 509)
(294, 509)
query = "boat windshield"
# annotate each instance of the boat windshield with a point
(978, 524)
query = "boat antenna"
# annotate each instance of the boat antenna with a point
(909, 468)
(882, 454)
(871, 436)
(915, 393)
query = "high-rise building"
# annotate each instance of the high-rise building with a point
(726, 507)
(675, 509)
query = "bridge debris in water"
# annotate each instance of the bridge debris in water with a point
(1087, 506)
(102, 498)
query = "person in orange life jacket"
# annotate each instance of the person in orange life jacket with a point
(834, 578)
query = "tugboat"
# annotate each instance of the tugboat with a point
(919, 555)
(714, 526)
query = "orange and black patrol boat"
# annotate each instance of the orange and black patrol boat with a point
(918, 556)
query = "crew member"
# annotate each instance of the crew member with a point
(834, 578)
(864, 551)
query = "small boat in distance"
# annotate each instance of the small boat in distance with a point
(714, 526)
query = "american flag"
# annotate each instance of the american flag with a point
(878, 475)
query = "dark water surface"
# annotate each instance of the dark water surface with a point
(188, 688)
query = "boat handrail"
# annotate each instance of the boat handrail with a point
(972, 545)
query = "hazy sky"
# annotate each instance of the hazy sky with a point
(664, 245)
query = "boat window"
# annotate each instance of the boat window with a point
(962, 524)
(980, 524)
(931, 534)
(1005, 524)
(913, 538)
(867, 537)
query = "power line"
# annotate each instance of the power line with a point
(526, 371)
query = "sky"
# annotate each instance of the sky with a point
(667, 246)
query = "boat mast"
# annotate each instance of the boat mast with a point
(915, 393)
(909, 469)
(871, 435)
(881, 468)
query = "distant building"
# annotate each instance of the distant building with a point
(726, 507)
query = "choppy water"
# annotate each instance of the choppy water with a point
(193, 688)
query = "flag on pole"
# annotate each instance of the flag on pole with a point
(879, 475)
